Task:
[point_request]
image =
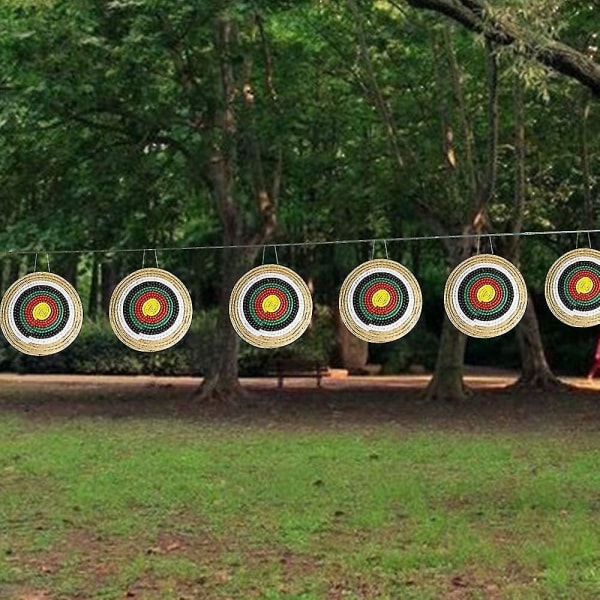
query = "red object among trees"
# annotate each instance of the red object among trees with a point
(596, 364)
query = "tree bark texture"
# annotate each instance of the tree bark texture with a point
(447, 381)
(222, 383)
(535, 371)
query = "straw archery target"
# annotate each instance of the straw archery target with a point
(150, 310)
(270, 306)
(485, 296)
(573, 288)
(380, 301)
(41, 314)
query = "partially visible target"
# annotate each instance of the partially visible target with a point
(150, 310)
(41, 314)
(380, 301)
(485, 296)
(573, 288)
(270, 306)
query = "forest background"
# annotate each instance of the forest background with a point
(167, 124)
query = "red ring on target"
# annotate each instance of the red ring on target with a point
(270, 316)
(572, 285)
(30, 306)
(372, 290)
(477, 285)
(149, 319)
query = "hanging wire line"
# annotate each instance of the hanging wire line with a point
(416, 238)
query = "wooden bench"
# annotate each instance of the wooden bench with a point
(297, 367)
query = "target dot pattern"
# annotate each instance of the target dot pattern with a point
(380, 301)
(150, 310)
(41, 314)
(270, 306)
(573, 288)
(485, 296)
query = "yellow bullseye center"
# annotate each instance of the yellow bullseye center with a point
(41, 311)
(271, 303)
(584, 285)
(381, 298)
(486, 293)
(151, 307)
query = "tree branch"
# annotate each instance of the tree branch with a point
(477, 16)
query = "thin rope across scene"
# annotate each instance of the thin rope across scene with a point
(384, 241)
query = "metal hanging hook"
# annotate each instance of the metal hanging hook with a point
(144, 259)
(589, 240)
(577, 241)
(387, 256)
(35, 263)
(478, 243)
(156, 258)
(491, 245)
(48, 262)
(276, 257)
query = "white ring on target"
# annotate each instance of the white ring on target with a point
(516, 303)
(64, 332)
(146, 336)
(262, 332)
(554, 287)
(408, 314)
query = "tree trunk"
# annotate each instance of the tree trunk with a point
(108, 282)
(535, 372)
(221, 383)
(93, 299)
(352, 352)
(14, 270)
(447, 380)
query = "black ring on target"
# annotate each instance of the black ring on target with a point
(573, 288)
(133, 313)
(368, 310)
(41, 314)
(279, 292)
(270, 306)
(485, 296)
(480, 310)
(56, 312)
(380, 301)
(567, 286)
(150, 310)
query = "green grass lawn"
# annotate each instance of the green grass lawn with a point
(152, 508)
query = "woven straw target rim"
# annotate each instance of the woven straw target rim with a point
(32, 348)
(142, 345)
(372, 335)
(557, 309)
(485, 331)
(270, 341)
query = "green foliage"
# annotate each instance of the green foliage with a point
(107, 132)
(419, 347)
(98, 351)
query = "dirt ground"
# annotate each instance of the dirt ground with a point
(346, 401)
